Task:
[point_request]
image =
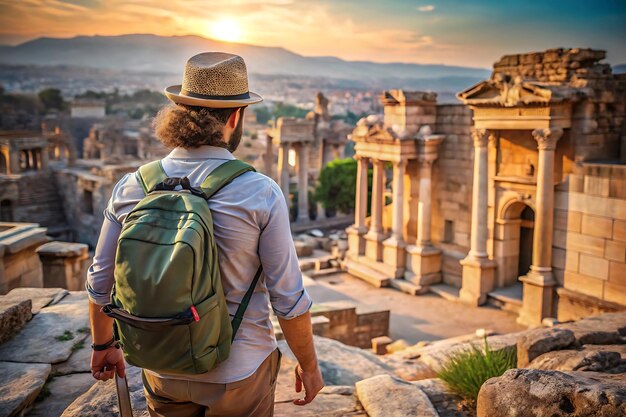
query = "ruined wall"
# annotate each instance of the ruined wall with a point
(598, 129)
(589, 255)
(452, 188)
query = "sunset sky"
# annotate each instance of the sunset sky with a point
(456, 32)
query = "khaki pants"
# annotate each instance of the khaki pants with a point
(253, 396)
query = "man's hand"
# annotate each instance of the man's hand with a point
(105, 363)
(312, 382)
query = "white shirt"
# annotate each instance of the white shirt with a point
(249, 214)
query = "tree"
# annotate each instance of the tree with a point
(336, 189)
(51, 98)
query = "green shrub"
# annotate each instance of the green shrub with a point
(466, 371)
(337, 185)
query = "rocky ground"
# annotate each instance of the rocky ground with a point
(571, 369)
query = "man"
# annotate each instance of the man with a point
(251, 227)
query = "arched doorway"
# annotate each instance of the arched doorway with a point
(514, 242)
(527, 226)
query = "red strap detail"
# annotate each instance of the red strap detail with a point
(196, 317)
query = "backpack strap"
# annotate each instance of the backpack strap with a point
(150, 175)
(218, 179)
(223, 175)
(241, 310)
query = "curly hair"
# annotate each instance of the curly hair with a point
(191, 126)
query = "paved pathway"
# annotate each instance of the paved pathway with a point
(413, 318)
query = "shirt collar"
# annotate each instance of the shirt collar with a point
(201, 152)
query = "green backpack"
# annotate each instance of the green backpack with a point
(168, 302)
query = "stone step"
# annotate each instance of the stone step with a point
(408, 287)
(323, 272)
(367, 274)
(507, 298)
(446, 291)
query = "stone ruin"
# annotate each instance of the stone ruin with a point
(516, 198)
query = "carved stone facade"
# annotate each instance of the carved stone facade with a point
(526, 193)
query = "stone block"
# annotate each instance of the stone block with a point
(532, 392)
(617, 273)
(380, 343)
(615, 251)
(539, 341)
(584, 284)
(13, 316)
(619, 230)
(594, 266)
(567, 220)
(585, 244)
(596, 186)
(478, 280)
(597, 226)
(20, 383)
(615, 293)
(386, 396)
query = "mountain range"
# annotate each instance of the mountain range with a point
(166, 54)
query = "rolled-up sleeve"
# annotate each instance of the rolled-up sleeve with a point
(100, 278)
(288, 297)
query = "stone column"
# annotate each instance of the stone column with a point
(539, 282)
(478, 269)
(283, 169)
(45, 159)
(356, 232)
(424, 262)
(14, 161)
(373, 246)
(269, 156)
(303, 182)
(63, 264)
(394, 253)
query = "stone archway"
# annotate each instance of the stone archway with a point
(514, 241)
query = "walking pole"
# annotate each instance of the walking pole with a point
(123, 396)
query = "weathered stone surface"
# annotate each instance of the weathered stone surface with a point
(324, 405)
(596, 358)
(13, 316)
(19, 385)
(78, 362)
(606, 329)
(40, 297)
(101, 399)
(409, 369)
(534, 393)
(340, 364)
(447, 403)
(44, 338)
(303, 248)
(540, 341)
(387, 396)
(63, 391)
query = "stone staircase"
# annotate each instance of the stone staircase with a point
(39, 201)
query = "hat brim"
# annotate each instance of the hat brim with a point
(174, 94)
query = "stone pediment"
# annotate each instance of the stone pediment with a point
(506, 92)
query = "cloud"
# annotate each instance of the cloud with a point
(425, 9)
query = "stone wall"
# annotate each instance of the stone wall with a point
(19, 262)
(452, 188)
(589, 255)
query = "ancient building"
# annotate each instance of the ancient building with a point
(28, 192)
(519, 197)
(312, 142)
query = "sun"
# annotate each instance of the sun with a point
(226, 30)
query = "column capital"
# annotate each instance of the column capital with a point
(426, 161)
(361, 157)
(480, 137)
(547, 138)
(376, 161)
(400, 163)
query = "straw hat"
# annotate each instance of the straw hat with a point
(214, 79)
